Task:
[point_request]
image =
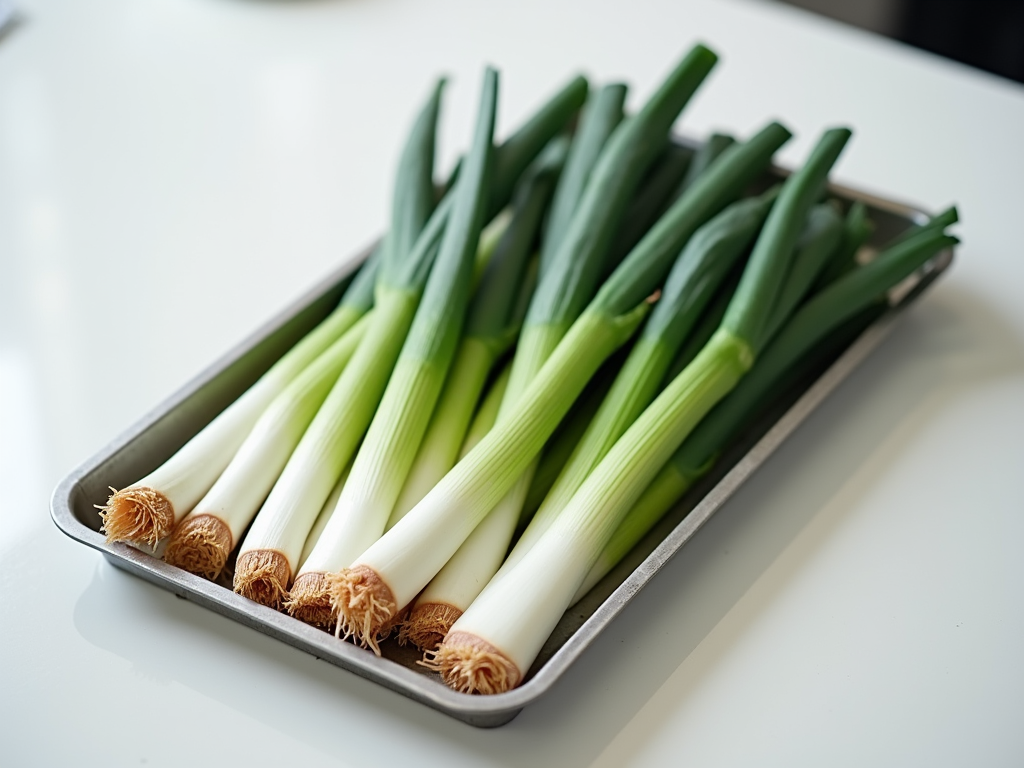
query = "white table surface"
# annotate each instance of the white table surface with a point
(172, 172)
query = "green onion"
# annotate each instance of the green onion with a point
(698, 272)
(704, 263)
(754, 312)
(568, 279)
(680, 473)
(935, 224)
(491, 646)
(706, 327)
(392, 571)
(625, 158)
(516, 613)
(647, 265)
(332, 438)
(438, 525)
(325, 515)
(563, 291)
(778, 366)
(822, 235)
(700, 269)
(400, 421)
(147, 511)
(679, 170)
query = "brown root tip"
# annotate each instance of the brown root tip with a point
(309, 600)
(262, 575)
(428, 624)
(363, 603)
(472, 665)
(200, 545)
(139, 515)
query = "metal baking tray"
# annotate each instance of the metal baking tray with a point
(162, 431)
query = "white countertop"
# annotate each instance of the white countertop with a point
(172, 172)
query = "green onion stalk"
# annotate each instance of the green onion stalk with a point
(145, 512)
(852, 300)
(678, 169)
(492, 645)
(268, 558)
(816, 247)
(700, 269)
(671, 176)
(367, 595)
(479, 557)
(400, 421)
(568, 280)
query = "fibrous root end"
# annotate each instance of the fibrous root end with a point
(136, 515)
(470, 664)
(263, 575)
(200, 545)
(364, 605)
(309, 600)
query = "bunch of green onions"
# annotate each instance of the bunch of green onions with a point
(442, 455)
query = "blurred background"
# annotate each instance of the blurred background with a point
(987, 34)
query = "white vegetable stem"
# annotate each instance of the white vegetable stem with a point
(325, 515)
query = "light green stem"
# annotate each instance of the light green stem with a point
(455, 506)
(443, 439)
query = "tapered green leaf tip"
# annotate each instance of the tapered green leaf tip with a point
(701, 51)
(836, 137)
(775, 128)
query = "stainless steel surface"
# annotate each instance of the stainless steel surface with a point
(158, 434)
